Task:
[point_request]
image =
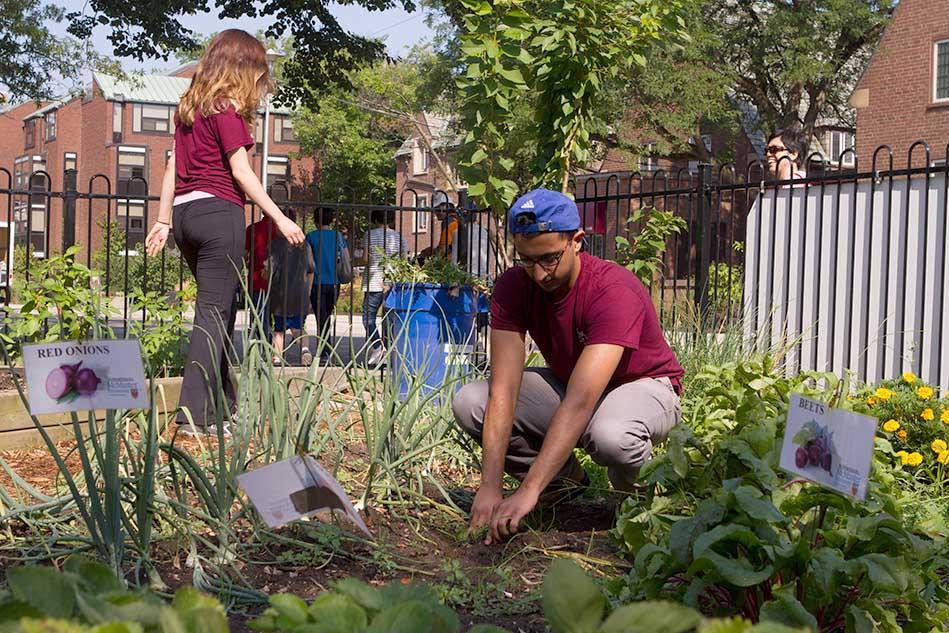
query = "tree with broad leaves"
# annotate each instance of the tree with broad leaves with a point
(324, 52)
(795, 60)
(564, 55)
(33, 60)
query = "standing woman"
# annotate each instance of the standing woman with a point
(203, 193)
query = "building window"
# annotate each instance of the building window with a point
(157, 119)
(836, 142)
(419, 159)
(116, 122)
(941, 54)
(70, 161)
(130, 212)
(29, 133)
(49, 124)
(278, 169)
(939, 163)
(283, 130)
(420, 218)
(259, 130)
(30, 210)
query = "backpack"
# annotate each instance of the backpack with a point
(344, 264)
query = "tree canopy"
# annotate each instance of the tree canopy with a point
(33, 60)
(324, 53)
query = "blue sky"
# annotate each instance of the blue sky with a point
(399, 28)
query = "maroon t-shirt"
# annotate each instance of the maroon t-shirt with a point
(607, 305)
(201, 154)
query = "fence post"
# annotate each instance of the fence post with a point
(703, 245)
(464, 218)
(69, 208)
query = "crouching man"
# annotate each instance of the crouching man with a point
(611, 384)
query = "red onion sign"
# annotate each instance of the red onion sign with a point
(85, 375)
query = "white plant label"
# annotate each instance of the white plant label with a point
(830, 447)
(85, 376)
(294, 489)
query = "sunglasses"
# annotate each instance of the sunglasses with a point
(775, 149)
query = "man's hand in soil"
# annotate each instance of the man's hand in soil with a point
(508, 515)
(485, 501)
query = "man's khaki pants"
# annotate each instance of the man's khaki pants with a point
(627, 422)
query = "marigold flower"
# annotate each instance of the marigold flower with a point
(882, 393)
(902, 455)
(909, 377)
(925, 392)
(871, 401)
(927, 415)
(891, 426)
(901, 434)
(944, 416)
(939, 446)
(914, 459)
(943, 457)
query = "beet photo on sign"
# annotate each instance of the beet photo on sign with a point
(815, 447)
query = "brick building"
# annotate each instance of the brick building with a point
(418, 176)
(903, 95)
(118, 136)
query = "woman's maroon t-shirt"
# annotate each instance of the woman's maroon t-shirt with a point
(607, 305)
(201, 154)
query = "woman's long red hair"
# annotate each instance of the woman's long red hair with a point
(233, 69)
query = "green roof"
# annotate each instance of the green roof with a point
(162, 89)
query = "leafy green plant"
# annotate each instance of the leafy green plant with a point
(727, 533)
(561, 56)
(434, 270)
(572, 604)
(59, 303)
(161, 330)
(643, 256)
(125, 268)
(87, 596)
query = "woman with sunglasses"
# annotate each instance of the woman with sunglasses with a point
(785, 154)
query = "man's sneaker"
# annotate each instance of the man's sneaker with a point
(565, 488)
(203, 431)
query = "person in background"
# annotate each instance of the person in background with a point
(380, 240)
(786, 154)
(327, 245)
(447, 216)
(207, 180)
(462, 242)
(257, 240)
(290, 282)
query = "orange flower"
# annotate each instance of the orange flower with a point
(928, 415)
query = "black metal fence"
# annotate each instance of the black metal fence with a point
(791, 261)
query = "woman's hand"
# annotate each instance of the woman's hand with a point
(156, 238)
(289, 229)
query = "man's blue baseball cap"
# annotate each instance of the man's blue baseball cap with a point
(543, 211)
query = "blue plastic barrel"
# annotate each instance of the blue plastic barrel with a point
(432, 334)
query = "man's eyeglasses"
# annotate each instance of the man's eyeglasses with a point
(775, 149)
(548, 262)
